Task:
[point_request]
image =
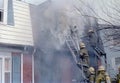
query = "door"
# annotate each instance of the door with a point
(5, 69)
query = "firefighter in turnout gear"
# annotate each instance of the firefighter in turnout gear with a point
(118, 76)
(102, 77)
(108, 80)
(83, 53)
(91, 75)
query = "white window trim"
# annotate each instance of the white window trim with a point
(21, 68)
(5, 9)
(33, 68)
(3, 67)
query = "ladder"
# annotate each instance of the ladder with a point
(73, 45)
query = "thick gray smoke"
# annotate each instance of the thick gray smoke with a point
(54, 21)
(51, 23)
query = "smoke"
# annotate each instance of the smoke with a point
(55, 21)
(54, 24)
(51, 23)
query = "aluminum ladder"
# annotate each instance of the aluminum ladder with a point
(73, 45)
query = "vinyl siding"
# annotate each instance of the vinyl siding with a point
(13, 35)
(22, 16)
(21, 32)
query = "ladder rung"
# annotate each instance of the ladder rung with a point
(72, 46)
(69, 40)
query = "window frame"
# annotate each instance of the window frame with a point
(2, 15)
(3, 67)
(14, 65)
(2, 10)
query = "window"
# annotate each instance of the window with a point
(1, 10)
(1, 16)
(10, 69)
(5, 69)
(16, 68)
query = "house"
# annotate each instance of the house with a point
(111, 48)
(32, 44)
(16, 42)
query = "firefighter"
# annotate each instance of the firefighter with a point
(101, 75)
(91, 75)
(108, 80)
(118, 76)
(83, 53)
(73, 31)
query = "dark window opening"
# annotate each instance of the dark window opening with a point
(1, 16)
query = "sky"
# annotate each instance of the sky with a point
(97, 5)
(1, 5)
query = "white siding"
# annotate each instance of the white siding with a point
(12, 35)
(21, 32)
(22, 16)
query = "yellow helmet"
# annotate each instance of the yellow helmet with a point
(101, 68)
(119, 68)
(106, 74)
(91, 70)
(82, 45)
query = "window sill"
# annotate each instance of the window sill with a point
(3, 24)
